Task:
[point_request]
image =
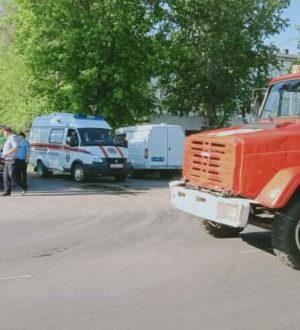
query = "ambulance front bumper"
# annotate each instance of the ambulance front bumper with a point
(105, 168)
(232, 212)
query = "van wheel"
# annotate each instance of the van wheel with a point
(121, 177)
(166, 175)
(78, 173)
(286, 234)
(42, 170)
(220, 231)
(137, 174)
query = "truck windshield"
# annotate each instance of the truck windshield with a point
(283, 100)
(95, 137)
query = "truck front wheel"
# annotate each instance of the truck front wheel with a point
(286, 234)
(220, 231)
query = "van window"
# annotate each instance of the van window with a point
(95, 137)
(56, 136)
(72, 138)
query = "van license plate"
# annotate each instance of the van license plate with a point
(116, 166)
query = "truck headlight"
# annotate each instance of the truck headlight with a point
(228, 211)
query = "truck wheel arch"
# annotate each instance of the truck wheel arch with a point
(280, 189)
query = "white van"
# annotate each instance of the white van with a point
(77, 144)
(154, 148)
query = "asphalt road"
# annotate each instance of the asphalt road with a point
(108, 256)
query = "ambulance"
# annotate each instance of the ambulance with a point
(77, 144)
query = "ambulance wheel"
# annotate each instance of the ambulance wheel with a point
(121, 177)
(220, 231)
(286, 234)
(166, 175)
(78, 173)
(42, 170)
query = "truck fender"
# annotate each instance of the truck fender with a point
(280, 189)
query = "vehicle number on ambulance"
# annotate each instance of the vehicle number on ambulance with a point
(116, 166)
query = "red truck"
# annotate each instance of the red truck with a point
(249, 174)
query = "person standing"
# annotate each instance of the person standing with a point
(22, 162)
(9, 154)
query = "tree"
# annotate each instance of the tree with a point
(298, 60)
(13, 84)
(92, 56)
(218, 54)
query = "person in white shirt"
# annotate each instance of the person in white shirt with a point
(9, 154)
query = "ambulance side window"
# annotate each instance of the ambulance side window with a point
(56, 136)
(72, 138)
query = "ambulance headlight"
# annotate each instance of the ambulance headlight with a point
(97, 159)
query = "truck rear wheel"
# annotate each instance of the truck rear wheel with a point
(286, 234)
(220, 231)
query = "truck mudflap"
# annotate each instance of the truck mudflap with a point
(232, 212)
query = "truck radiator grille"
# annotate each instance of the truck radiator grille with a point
(209, 163)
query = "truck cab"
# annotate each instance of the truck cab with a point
(249, 174)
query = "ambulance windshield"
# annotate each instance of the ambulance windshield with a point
(95, 137)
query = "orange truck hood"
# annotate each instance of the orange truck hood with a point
(241, 160)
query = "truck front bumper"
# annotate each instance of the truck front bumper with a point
(232, 212)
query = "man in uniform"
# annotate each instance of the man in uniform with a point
(22, 162)
(10, 149)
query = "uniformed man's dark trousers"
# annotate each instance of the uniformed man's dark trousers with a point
(21, 173)
(8, 174)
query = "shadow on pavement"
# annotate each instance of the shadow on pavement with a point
(260, 240)
(62, 185)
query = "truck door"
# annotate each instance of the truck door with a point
(158, 147)
(175, 146)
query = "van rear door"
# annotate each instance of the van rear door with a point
(175, 146)
(158, 147)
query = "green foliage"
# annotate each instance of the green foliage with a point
(92, 56)
(218, 54)
(12, 88)
(106, 57)
(298, 61)
(13, 85)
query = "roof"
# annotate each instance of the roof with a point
(58, 119)
(143, 128)
(291, 76)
